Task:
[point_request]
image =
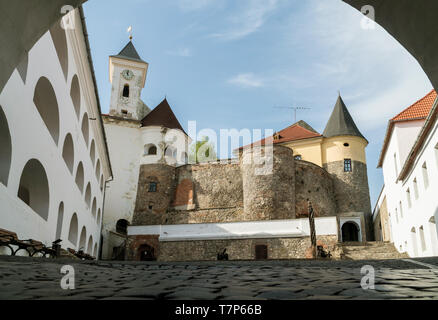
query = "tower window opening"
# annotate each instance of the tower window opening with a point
(346, 144)
(126, 91)
(124, 111)
(152, 187)
(347, 165)
(298, 157)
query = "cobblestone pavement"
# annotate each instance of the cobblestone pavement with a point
(36, 278)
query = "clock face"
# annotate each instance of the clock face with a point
(127, 74)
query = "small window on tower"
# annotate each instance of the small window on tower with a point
(152, 187)
(298, 157)
(126, 91)
(347, 165)
(124, 111)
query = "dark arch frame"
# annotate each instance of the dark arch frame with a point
(5, 147)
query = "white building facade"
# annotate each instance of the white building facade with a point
(409, 160)
(53, 156)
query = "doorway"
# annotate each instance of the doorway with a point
(350, 232)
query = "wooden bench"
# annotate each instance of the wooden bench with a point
(80, 254)
(10, 240)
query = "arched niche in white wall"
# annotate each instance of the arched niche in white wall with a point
(80, 177)
(90, 245)
(94, 207)
(60, 42)
(59, 221)
(34, 188)
(95, 250)
(98, 169)
(88, 195)
(5, 148)
(92, 151)
(83, 239)
(68, 152)
(45, 101)
(73, 230)
(85, 127)
(98, 216)
(75, 94)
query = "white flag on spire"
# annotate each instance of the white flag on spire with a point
(129, 29)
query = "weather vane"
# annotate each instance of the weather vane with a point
(130, 32)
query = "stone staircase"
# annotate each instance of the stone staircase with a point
(372, 250)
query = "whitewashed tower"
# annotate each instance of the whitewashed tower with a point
(127, 72)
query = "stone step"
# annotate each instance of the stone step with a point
(372, 250)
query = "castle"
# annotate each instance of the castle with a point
(159, 206)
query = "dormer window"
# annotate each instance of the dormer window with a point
(126, 91)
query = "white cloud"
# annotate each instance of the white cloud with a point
(180, 52)
(247, 80)
(248, 20)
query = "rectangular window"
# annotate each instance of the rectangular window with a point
(152, 187)
(347, 165)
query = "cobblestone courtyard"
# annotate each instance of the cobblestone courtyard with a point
(35, 278)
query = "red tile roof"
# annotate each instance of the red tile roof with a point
(297, 131)
(417, 111)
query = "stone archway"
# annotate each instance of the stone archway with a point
(146, 253)
(350, 232)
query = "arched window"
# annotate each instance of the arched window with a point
(83, 239)
(6, 149)
(98, 169)
(73, 230)
(93, 207)
(101, 183)
(88, 195)
(68, 152)
(47, 106)
(126, 90)
(122, 226)
(60, 42)
(75, 94)
(60, 220)
(150, 149)
(92, 152)
(85, 128)
(80, 177)
(95, 250)
(34, 188)
(90, 245)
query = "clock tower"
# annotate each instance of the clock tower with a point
(127, 72)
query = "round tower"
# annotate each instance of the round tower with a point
(343, 156)
(268, 175)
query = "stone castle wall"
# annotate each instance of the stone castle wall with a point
(351, 190)
(244, 249)
(315, 184)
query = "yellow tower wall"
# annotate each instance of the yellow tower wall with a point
(333, 149)
(309, 149)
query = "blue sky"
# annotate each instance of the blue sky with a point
(227, 63)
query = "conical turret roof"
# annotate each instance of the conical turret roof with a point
(341, 123)
(162, 116)
(129, 52)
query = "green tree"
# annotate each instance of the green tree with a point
(202, 151)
